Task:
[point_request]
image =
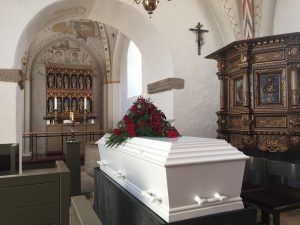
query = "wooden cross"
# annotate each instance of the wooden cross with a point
(199, 33)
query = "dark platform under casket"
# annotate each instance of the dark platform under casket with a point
(116, 206)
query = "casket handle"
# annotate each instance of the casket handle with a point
(102, 163)
(199, 200)
(151, 196)
(217, 198)
(121, 174)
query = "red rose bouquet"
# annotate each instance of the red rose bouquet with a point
(142, 119)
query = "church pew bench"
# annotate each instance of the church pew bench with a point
(82, 213)
(254, 174)
(8, 158)
(275, 195)
(37, 197)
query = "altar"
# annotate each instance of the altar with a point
(116, 206)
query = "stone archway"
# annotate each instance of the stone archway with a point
(129, 21)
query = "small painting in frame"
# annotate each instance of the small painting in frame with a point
(269, 89)
(238, 89)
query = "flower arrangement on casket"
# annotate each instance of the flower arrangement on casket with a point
(142, 119)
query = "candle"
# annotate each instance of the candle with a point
(71, 116)
(55, 103)
(85, 103)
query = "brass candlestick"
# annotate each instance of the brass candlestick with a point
(85, 116)
(55, 116)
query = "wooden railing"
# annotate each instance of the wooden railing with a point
(33, 138)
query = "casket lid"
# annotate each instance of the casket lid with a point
(178, 151)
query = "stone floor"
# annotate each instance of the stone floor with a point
(288, 218)
(291, 217)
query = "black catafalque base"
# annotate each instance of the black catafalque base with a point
(116, 206)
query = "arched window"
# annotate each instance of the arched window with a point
(134, 71)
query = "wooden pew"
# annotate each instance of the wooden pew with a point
(82, 212)
(275, 195)
(8, 158)
(37, 197)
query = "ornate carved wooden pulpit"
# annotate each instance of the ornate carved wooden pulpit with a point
(259, 93)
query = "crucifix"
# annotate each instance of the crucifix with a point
(199, 33)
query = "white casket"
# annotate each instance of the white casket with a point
(178, 178)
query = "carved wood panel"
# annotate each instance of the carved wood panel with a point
(270, 122)
(263, 93)
(268, 56)
(69, 90)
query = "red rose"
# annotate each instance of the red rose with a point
(172, 133)
(142, 100)
(142, 123)
(126, 119)
(155, 118)
(117, 132)
(131, 130)
(133, 108)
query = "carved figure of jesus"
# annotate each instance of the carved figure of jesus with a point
(199, 32)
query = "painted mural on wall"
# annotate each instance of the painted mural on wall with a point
(66, 52)
(83, 29)
(97, 38)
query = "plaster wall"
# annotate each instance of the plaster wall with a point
(14, 16)
(168, 47)
(136, 25)
(286, 18)
(10, 115)
(196, 104)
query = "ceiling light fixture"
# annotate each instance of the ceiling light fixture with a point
(149, 5)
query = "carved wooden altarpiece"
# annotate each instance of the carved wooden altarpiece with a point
(259, 93)
(72, 89)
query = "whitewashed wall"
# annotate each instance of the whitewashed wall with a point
(10, 113)
(168, 47)
(287, 16)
